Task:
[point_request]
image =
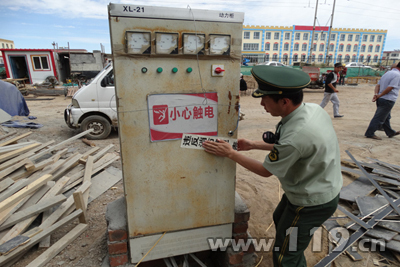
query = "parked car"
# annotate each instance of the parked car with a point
(273, 63)
(94, 106)
(356, 65)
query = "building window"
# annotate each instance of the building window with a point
(315, 36)
(372, 38)
(276, 36)
(355, 48)
(304, 47)
(370, 48)
(342, 37)
(353, 58)
(331, 47)
(296, 47)
(11, 45)
(2, 44)
(357, 39)
(368, 59)
(7, 45)
(275, 46)
(363, 48)
(313, 58)
(348, 48)
(267, 46)
(361, 58)
(321, 47)
(341, 48)
(377, 48)
(303, 58)
(246, 35)
(365, 38)
(286, 47)
(275, 57)
(256, 35)
(285, 58)
(339, 58)
(295, 58)
(267, 57)
(375, 58)
(287, 36)
(297, 36)
(330, 58)
(333, 37)
(347, 58)
(40, 63)
(314, 47)
(350, 38)
(267, 35)
(323, 35)
(320, 58)
(305, 36)
(379, 38)
(250, 47)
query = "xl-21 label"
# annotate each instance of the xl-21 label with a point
(137, 9)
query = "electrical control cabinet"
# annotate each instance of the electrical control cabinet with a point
(176, 73)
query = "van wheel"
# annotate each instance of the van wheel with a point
(101, 126)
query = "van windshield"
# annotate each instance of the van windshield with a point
(100, 73)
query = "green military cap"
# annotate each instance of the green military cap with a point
(278, 80)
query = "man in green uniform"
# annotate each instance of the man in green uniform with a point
(304, 155)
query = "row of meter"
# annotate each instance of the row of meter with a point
(216, 70)
(168, 43)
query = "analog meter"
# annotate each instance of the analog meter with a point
(138, 42)
(220, 44)
(166, 43)
(193, 44)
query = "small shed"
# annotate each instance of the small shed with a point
(35, 65)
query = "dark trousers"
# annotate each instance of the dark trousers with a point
(341, 80)
(381, 118)
(295, 226)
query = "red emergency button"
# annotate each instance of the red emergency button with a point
(218, 70)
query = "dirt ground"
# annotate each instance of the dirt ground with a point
(261, 194)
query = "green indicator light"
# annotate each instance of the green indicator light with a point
(189, 70)
(144, 69)
(159, 70)
(175, 70)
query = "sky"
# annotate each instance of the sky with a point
(84, 23)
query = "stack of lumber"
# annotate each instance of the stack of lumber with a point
(371, 208)
(33, 178)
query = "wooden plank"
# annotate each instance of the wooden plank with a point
(80, 204)
(4, 215)
(87, 154)
(34, 240)
(71, 162)
(13, 189)
(9, 148)
(360, 187)
(60, 144)
(102, 182)
(34, 231)
(12, 244)
(25, 191)
(50, 253)
(15, 139)
(6, 183)
(33, 210)
(7, 135)
(11, 162)
(72, 206)
(17, 152)
(100, 154)
(13, 168)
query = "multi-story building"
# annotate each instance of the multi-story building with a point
(390, 57)
(296, 44)
(5, 44)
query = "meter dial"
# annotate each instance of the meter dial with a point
(166, 43)
(138, 42)
(220, 44)
(193, 44)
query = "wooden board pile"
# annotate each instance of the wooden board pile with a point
(33, 178)
(371, 202)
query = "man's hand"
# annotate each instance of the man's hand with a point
(244, 145)
(218, 148)
(375, 98)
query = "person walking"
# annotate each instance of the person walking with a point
(343, 73)
(385, 96)
(243, 85)
(330, 93)
(304, 155)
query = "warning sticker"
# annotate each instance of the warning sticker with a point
(196, 141)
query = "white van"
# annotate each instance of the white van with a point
(94, 106)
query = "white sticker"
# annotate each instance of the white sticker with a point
(196, 141)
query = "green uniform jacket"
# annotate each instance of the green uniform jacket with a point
(306, 158)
